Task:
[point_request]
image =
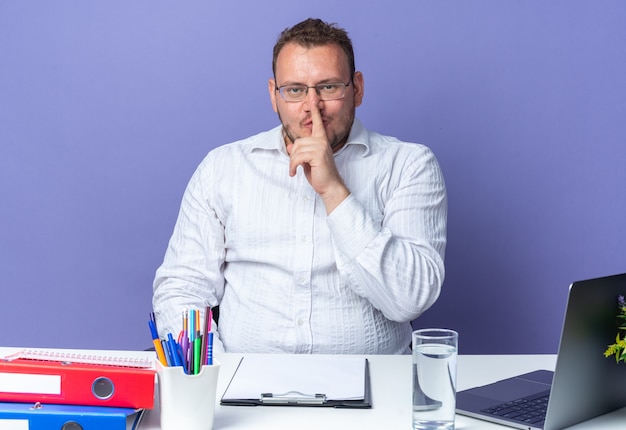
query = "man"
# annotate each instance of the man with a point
(317, 236)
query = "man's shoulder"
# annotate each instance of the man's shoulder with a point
(377, 142)
(265, 139)
(382, 143)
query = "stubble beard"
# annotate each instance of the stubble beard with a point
(336, 143)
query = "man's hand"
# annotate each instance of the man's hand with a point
(315, 156)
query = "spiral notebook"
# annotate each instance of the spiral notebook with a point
(100, 357)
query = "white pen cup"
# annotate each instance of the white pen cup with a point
(434, 378)
(187, 401)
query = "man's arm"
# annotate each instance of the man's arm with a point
(190, 276)
(397, 264)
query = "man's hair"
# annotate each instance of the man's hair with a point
(312, 33)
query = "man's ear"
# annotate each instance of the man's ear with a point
(271, 86)
(359, 88)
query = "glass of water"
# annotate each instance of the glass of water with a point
(434, 378)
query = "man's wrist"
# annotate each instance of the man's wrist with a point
(333, 198)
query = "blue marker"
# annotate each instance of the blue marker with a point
(209, 356)
(173, 350)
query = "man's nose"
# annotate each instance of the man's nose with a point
(312, 97)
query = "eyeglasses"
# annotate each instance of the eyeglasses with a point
(326, 91)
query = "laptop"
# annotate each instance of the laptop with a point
(584, 383)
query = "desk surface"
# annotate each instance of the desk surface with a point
(391, 396)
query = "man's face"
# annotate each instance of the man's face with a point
(312, 66)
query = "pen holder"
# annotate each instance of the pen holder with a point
(187, 401)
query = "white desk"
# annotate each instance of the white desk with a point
(391, 397)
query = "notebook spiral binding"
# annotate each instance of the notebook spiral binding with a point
(115, 358)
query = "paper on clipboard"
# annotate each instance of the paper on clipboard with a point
(336, 377)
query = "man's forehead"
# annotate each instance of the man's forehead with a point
(294, 56)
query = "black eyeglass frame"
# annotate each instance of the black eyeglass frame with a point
(317, 90)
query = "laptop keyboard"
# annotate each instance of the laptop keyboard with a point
(529, 410)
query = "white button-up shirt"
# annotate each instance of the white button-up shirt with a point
(287, 276)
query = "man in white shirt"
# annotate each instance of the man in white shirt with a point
(317, 236)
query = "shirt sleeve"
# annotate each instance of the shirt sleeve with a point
(191, 275)
(396, 264)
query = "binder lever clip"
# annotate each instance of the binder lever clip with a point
(293, 398)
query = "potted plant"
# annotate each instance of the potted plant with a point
(618, 349)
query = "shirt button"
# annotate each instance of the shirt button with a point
(300, 321)
(306, 198)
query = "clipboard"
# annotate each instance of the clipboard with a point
(300, 380)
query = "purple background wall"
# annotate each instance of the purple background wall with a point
(106, 108)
